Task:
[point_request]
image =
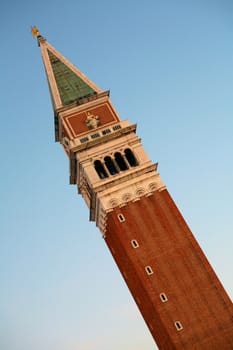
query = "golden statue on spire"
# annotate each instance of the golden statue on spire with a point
(35, 31)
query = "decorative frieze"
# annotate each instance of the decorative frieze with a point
(121, 194)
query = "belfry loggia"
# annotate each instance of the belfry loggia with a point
(175, 288)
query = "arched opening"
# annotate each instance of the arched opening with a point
(100, 169)
(120, 161)
(130, 157)
(110, 165)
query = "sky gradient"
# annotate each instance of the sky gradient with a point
(168, 65)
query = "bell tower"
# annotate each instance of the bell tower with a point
(175, 288)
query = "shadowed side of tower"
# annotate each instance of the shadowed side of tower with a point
(181, 299)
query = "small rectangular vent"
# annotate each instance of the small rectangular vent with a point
(178, 325)
(94, 136)
(106, 131)
(84, 139)
(149, 270)
(134, 243)
(163, 297)
(121, 217)
(116, 127)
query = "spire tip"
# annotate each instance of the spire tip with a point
(35, 32)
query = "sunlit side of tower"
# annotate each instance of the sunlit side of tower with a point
(176, 290)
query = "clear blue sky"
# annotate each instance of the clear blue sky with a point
(168, 65)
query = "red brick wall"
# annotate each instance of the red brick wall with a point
(195, 296)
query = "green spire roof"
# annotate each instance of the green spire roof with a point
(70, 86)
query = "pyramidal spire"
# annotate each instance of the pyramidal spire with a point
(67, 83)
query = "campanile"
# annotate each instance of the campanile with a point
(175, 288)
